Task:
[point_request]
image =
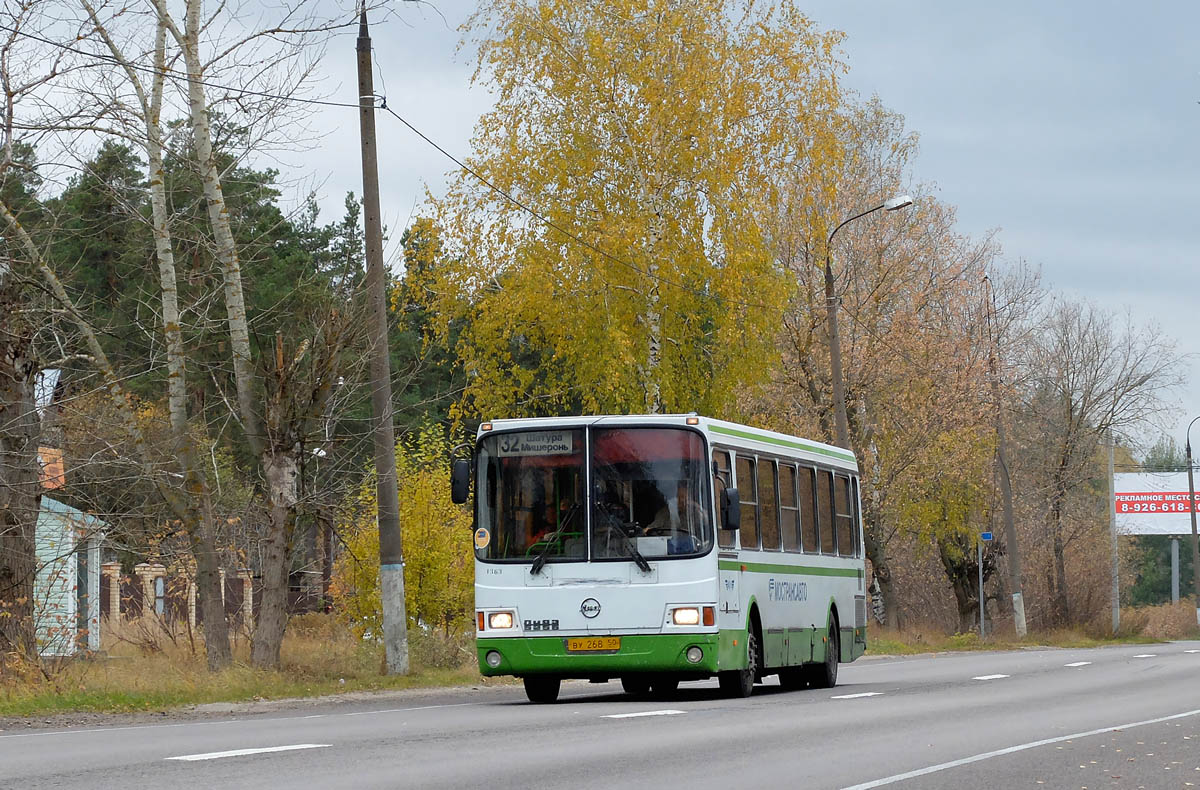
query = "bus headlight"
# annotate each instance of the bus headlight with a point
(500, 620)
(688, 615)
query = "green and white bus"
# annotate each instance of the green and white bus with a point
(660, 548)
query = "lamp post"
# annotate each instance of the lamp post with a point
(841, 424)
(1192, 512)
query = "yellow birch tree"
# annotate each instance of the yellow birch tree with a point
(644, 140)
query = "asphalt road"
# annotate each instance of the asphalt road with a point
(1108, 717)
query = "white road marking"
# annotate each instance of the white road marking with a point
(644, 713)
(1191, 651)
(1078, 664)
(1146, 655)
(990, 677)
(1011, 749)
(242, 752)
(406, 710)
(858, 696)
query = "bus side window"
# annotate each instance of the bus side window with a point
(844, 515)
(789, 513)
(768, 507)
(745, 484)
(808, 513)
(825, 509)
(721, 481)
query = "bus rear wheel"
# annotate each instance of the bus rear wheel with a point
(824, 675)
(740, 682)
(542, 688)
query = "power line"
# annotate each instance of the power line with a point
(555, 226)
(172, 73)
(182, 76)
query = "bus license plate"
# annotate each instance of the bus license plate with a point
(597, 644)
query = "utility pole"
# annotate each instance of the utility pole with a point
(979, 565)
(1192, 511)
(1112, 521)
(1010, 529)
(391, 555)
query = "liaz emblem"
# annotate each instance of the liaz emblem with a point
(589, 608)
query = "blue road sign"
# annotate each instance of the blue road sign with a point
(986, 536)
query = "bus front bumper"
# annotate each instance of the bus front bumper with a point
(637, 653)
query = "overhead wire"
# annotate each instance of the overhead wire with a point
(506, 195)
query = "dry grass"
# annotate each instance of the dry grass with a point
(1167, 621)
(1144, 624)
(147, 668)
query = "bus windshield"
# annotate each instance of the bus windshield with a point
(648, 486)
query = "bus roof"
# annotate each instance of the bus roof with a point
(720, 432)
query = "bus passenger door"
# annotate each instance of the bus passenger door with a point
(729, 605)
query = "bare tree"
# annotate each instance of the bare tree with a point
(197, 516)
(1085, 373)
(292, 407)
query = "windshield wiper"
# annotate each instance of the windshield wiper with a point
(631, 544)
(539, 562)
(543, 555)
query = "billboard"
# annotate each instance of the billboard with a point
(1153, 503)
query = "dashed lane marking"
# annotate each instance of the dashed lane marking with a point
(858, 696)
(243, 752)
(1146, 655)
(1077, 664)
(643, 713)
(989, 677)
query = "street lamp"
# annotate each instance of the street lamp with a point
(841, 424)
(1192, 512)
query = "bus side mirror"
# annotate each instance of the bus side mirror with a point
(460, 481)
(731, 509)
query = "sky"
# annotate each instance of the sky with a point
(1071, 129)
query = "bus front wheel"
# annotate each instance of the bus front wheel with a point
(635, 685)
(542, 688)
(740, 682)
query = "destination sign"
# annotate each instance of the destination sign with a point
(536, 443)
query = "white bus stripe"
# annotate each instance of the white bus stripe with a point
(242, 752)
(1011, 749)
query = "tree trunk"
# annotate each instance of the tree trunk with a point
(218, 217)
(203, 542)
(1060, 603)
(20, 488)
(962, 574)
(271, 622)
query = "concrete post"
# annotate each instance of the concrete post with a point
(247, 599)
(1174, 570)
(112, 572)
